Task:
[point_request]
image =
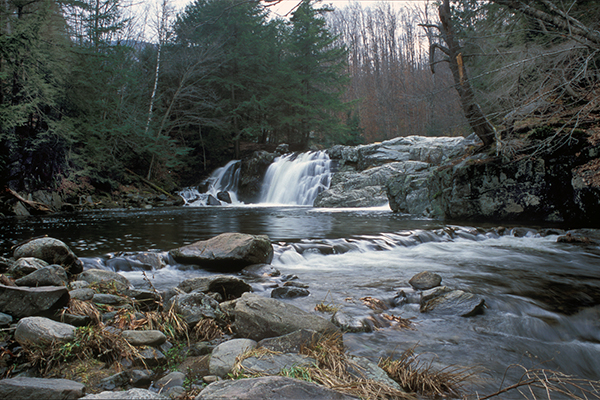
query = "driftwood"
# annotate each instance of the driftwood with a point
(30, 204)
(152, 185)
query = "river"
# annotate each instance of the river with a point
(542, 297)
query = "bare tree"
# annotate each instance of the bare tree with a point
(454, 56)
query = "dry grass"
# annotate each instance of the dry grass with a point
(83, 308)
(546, 384)
(206, 330)
(333, 367)
(170, 323)
(420, 377)
(90, 343)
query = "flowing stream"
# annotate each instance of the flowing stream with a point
(542, 297)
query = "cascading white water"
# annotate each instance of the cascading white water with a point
(297, 179)
(224, 179)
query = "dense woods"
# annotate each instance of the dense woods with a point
(86, 100)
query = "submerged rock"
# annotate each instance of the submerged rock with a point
(425, 280)
(227, 252)
(457, 302)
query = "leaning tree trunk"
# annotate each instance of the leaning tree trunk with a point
(477, 119)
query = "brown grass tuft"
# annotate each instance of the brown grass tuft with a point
(207, 329)
(422, 378)
(84, 308)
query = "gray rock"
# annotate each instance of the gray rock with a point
(224, 356)
(227, 252)
(195, 306)
(5, 319)
(258, 318)
(289, 292)
(363, 368)
(273, 364)
(40, 388)
(83, 294)
(119, 380)
(131, 394)
(292, 342)
(455, 302)
(224, 197)
(152, 357)
(144, 338)
(140, 378)
(150, 260)
(170, 380)
(425, 280)
(349, 323)
(75, 320)
(228, 287)
(268, 387)
(174, 392)
(261, 271)
(40, 331)
(53, 251)
(79, 285)
(6, 264)
(26, 265)
(24, 302)
(147, 299)
(52, 275)
(110, 299)
(105, 277)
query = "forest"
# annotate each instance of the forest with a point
(92, 94)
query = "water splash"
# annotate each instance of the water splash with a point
(224, 179)
(297, 179)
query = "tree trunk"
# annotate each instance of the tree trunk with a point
(477, 119)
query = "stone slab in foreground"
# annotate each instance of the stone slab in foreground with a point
(40, 388)
(226, 252)
(269, 387)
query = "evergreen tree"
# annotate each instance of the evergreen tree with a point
(33, 66)
(317, 79)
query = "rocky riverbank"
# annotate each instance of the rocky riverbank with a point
(71, 331)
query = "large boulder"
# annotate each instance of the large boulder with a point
(51, 250)
(252, 173)
(24, 302)
(41, 331)
(269, 387)
(22, 388)
(257, 318)
(26, 265)
(226, 252)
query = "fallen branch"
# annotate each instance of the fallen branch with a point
(152, 185)
(36, 206)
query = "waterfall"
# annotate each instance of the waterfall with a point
(222, 180)
(296, 179)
